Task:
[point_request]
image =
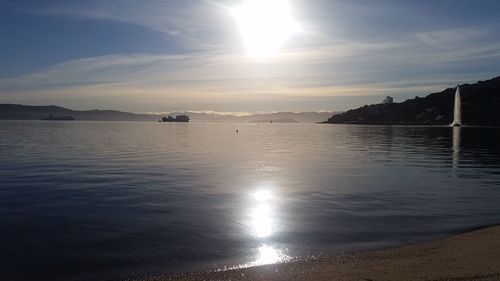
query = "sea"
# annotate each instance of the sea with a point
(118, 200)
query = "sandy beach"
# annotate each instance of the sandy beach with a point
(471, 256)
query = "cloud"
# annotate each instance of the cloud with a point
(448, 37)
(320, 70)
(212, 73)
(199, 25)
(209, 80)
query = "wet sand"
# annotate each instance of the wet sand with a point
(470, 256)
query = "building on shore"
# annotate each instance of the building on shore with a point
(388, 100)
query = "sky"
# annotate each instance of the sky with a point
(241, 55)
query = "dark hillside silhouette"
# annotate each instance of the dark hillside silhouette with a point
(480, 106)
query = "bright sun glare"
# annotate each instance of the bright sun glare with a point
(261, 214)
(265, 25)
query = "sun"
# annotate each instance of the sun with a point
(265, 25)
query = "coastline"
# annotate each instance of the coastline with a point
(473, 255)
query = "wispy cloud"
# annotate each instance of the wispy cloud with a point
(212, 79)
(199, 25)
(212, 73)
(448, 37)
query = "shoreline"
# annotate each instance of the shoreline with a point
(473, 255)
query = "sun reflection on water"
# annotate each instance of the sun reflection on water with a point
(261, 215)
(265, 255)
(261, 221)
(263, 195)
(269, 255)
(262, 227)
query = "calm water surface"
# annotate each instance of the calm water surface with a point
(112, 200)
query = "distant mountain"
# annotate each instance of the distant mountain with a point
(278, 117)
(28, 112)
(290, 117)
(480, 106)
(287, 120)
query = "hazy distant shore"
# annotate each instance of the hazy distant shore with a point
(471, 256)
(30, 112)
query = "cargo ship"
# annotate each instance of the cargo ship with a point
(178, 118)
